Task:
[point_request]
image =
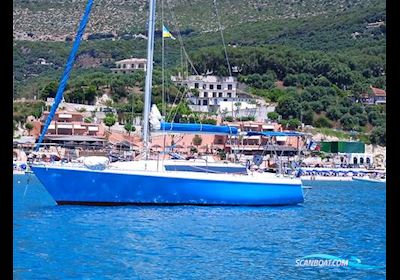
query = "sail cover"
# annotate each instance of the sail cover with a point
(198, 128)
(275, 133)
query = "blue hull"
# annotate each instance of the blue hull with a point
(87, 187)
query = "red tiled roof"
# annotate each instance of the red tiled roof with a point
(378, 91)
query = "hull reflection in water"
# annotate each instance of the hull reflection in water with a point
(79, 185)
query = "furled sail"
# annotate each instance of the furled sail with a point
(166, 127)
(275, 133)
(198, 128)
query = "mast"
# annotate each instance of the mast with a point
(149, 75)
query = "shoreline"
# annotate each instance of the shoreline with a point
(326, 178)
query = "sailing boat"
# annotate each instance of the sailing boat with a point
(149, 182)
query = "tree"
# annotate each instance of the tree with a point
(308, 117)
(29, 127)
(90, 94)
(197, 140)
(316, 106)
(333, 113)
(322, 122)
(129, 128)
(378, 136)
(50, 90)
(228, 119)
(109, 121)
(293, 124)
(362, 119)
(273, 116)
(348, 121)
(288, 107)
(356, 109)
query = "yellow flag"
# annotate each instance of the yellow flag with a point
(166, 33)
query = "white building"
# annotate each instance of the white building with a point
(129, 65)
(360, 159)
(211, 89)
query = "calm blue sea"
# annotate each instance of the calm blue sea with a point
(188, 242)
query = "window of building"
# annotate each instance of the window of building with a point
(199, 102)
(219, 94)
(229, 87)
(225, 99)
(205, 102)
(196, 85)
(211, 86)
(204, 86)
(133, 66)
(124, 66)
(214, 94)
(219, 87)
(205, 94)
(229, 94)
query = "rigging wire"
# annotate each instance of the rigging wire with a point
(67, 71)
(164, 109)
(222, 37)
(176, 27)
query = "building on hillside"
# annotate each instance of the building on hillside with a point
(360, 159)
(348, 153)
(69, 129)
(211, 91)
(129, 65)
(67, 123)
(378, 96)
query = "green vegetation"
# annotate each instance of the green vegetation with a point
(273, 115)
(29, 127)
(378, 136)
(332, 132)
(322, 122)
(129, 128)
(325, 53)
(21, 110)
(109, 121)
(197, 140)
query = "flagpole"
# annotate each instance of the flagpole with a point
(164, 105)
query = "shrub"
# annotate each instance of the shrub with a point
(322, 122)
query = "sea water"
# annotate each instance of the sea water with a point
(342, 219)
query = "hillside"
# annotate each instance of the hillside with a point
(326, 53)
(54, 20)
(341, 27)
